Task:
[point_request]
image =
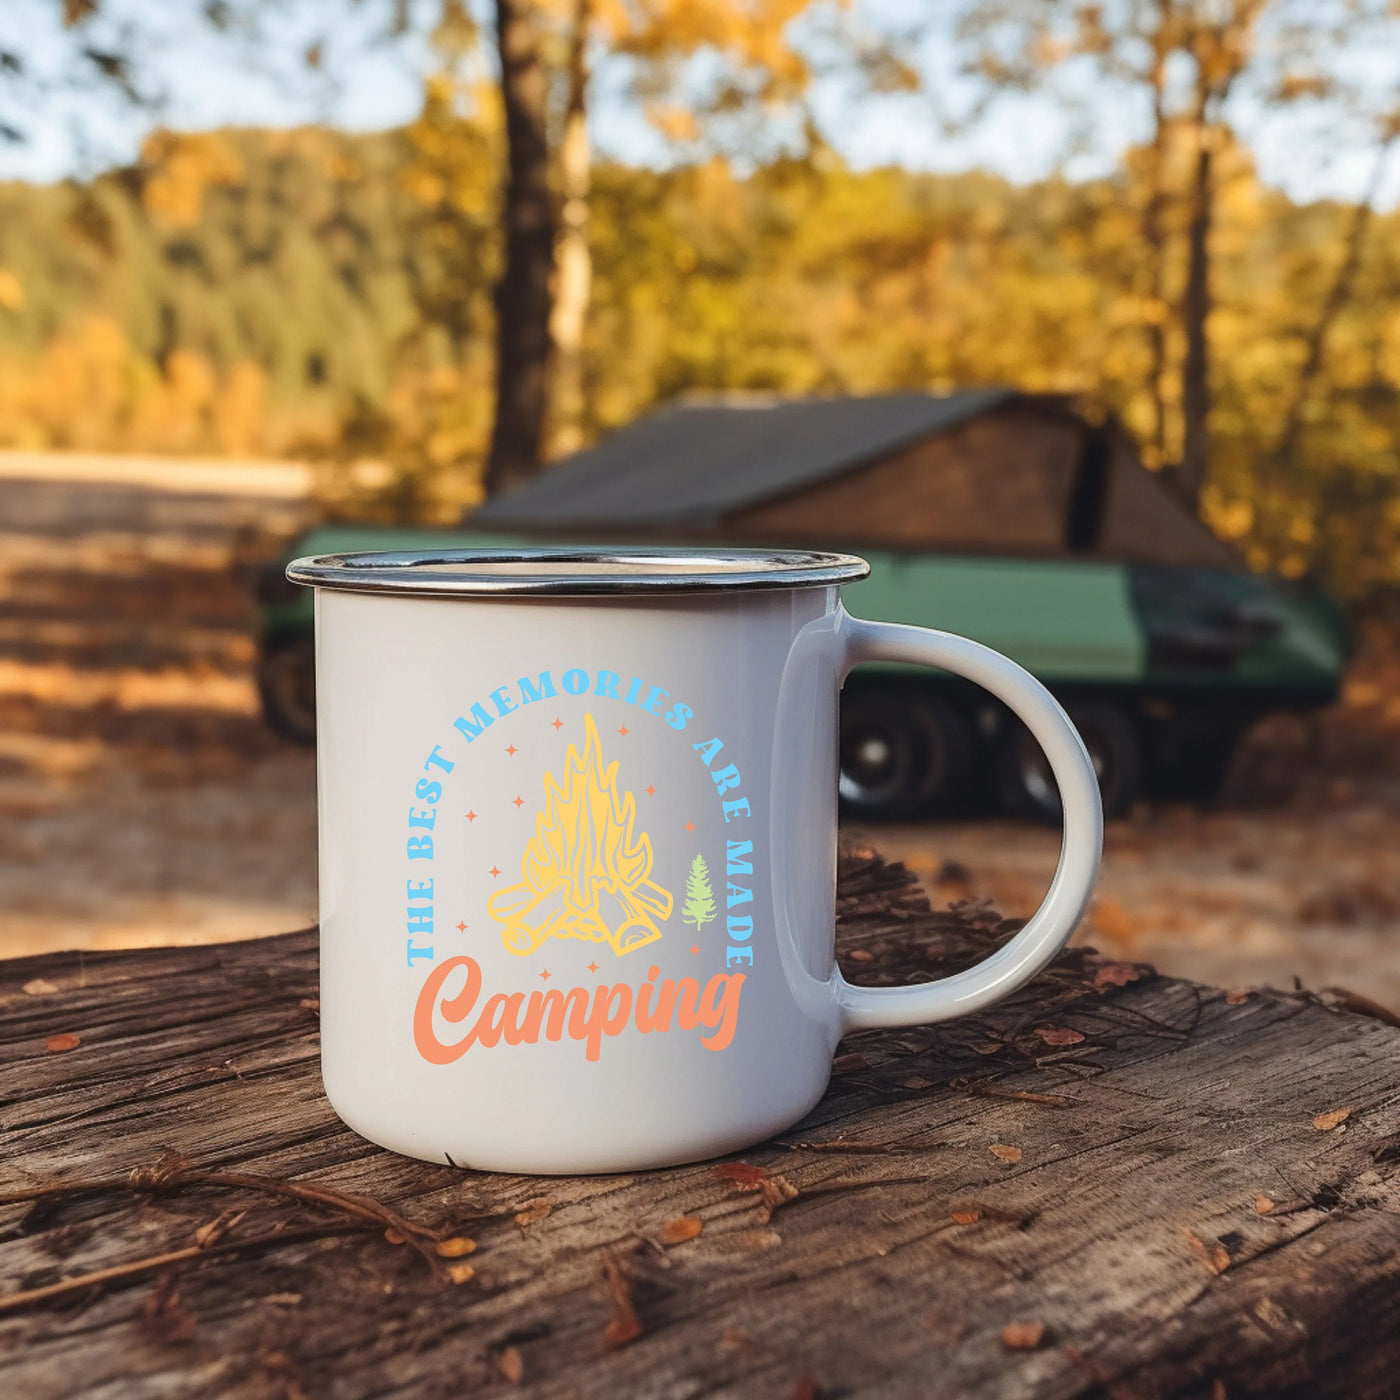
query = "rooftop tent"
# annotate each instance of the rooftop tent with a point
(983, 471)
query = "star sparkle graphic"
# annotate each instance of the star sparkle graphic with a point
(518, 801)
(558, 723)
(493, 872)
(512, 750)
(545, 975)
(462, 927)
(471, 816)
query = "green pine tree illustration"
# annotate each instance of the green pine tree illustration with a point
(699, 906)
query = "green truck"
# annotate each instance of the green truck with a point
(1010, 518)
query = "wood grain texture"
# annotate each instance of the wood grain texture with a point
(1128, 1227)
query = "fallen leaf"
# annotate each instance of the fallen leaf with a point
(917, 1082)
(990, 1047)
(309, 1004)
(848, 1064)
(1116, 974)
(624, 1326)
(533, 1211)
(66, 1040)
(1004, 1152)
(461, 1273)
(1022, 1336)
(393, 1236)
(966, 1217)
(1214, 1256)
(1327, 1121)
(861, 955)
(1262, 1205)
(40, 987)
(744, 1176)
(1238, 997)
(679, 1230)
(1059, 1035)
(511, 1364)
(455, 1247)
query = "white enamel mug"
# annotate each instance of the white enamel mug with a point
(578, 848)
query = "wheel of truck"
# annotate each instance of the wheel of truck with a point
(287, 688)
(1197, 772)
(1025, 787)
(902, 755)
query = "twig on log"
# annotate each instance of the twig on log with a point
(12, 1302)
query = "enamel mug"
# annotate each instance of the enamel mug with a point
(578, 847)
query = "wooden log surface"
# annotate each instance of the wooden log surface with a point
(1114, 1184)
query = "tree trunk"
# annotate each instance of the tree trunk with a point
(523, 293)
(1154, 236)
(1195, 313)
(573, 262)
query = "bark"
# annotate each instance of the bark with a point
(523, 293)
(1195, 315)
(1154, 236)
(573, 261)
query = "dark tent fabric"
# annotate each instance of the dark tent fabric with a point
(688, 466)
(983, 471)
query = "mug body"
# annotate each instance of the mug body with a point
(550, 906)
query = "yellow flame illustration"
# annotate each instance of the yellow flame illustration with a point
(584, 874)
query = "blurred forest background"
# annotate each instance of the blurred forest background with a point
(424, 247)
(315, 293)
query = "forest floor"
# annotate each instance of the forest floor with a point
(143, 801)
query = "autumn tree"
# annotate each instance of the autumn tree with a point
(1187, 59)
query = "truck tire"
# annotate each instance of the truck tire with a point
(1024, 785)
(287, 688)
(902, 755)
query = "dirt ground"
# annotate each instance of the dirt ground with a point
(142, 800)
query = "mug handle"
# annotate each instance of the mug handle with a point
(1051, 925)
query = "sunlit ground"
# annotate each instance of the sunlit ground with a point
(142, 800)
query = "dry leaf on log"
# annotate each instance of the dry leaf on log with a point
(455, 1247)
(39, 987)
(533, 1211)
(679, 1230)
(1327, 1121)
(510, 1364)
(1004, 1152)
(1059, 1035)
(1263, 1205)
(1116, 974)
(1238, 997)
(775, 1190)
(1022, 1336)
(460, 1273)
(966, 1217)
(1214, 1256)
(65, 1040)
(624, 1326)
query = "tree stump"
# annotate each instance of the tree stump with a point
(1112, 1184)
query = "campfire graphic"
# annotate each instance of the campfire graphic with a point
(584, 874)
